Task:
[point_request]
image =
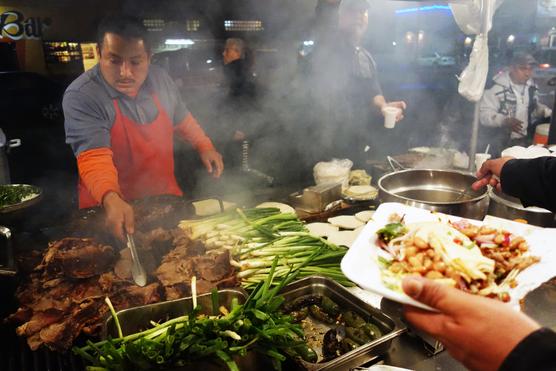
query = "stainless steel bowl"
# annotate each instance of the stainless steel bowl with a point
(446, 191)
(22, 204)
(509, 207)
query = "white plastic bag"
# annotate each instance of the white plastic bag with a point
(335, 171)
(473, 78)
(470, 17)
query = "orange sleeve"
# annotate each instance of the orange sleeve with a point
(98, 173)
(190, 130)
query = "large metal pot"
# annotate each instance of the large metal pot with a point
(509, 207)
(446, 191)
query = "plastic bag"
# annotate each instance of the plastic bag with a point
(470, 18)
(473, 78)
(335, 171)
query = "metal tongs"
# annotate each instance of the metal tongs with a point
(137, 270)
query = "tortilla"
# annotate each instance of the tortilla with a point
(321, 229)
(365, 215)
(345, 221)
(359, 229)
(284, 208)
(343, 238)
(210, 206)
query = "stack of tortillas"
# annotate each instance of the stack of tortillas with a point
(361, 192)
(342, 229)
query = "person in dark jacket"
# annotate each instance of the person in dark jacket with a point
(533, 181)
(237, 68)
(346, 97)
(483, 334)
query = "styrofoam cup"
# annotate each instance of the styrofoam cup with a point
(390, 114)
(480, 158)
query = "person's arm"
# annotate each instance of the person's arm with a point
(532, 181)
(87, 124)
(536, 352)
(479, 332)
(186, 126)
(190, 130)
(100, 176)
(375, 91)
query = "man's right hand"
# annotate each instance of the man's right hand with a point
(119, 215)
(477, 331)
(513, 123)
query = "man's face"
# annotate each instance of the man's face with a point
(230, 53)
(354, 20)
(124, 63)
(521, 73)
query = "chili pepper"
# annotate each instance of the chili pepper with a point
(357, 335)
(320, 315)
(353, 319)
(330, 307)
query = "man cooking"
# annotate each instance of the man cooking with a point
(345, 86)
(510, 107)
(120, 118)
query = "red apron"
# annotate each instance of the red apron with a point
(143, 156)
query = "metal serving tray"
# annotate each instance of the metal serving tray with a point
(390, 327)
(137, 319)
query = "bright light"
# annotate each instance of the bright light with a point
(308, 43)
(544, 65)
(511, 39)
(409, 37)
(421, 36)
(428, 8)
(394, 43)
(467, 41)
(209, 61)
(179, 42)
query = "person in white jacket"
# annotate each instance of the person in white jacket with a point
(511, 104)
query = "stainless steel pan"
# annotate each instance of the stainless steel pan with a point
(508, 207)
(446, 191)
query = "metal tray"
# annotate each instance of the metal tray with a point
(391, 327)
(137, 319)
(23, 204)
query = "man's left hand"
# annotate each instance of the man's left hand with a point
(213, 162)
(398, 104)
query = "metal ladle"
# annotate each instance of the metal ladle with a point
(137, 271)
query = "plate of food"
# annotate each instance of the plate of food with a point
(470, 255)
(18, 196)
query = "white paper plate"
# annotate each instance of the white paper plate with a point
(360, 263)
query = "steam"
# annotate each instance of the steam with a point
(292, 128)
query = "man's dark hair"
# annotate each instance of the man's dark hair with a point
(125, 26)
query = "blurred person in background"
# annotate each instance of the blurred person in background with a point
(345, 88)
(510, 108)
(120, 120)
(481, 333)
(238, 68)
(238, 117)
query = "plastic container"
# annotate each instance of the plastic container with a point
(541, 134)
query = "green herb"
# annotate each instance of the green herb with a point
(385, 263)
(14, 194)
(256, 236)
(391, 231)
(256, 325)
